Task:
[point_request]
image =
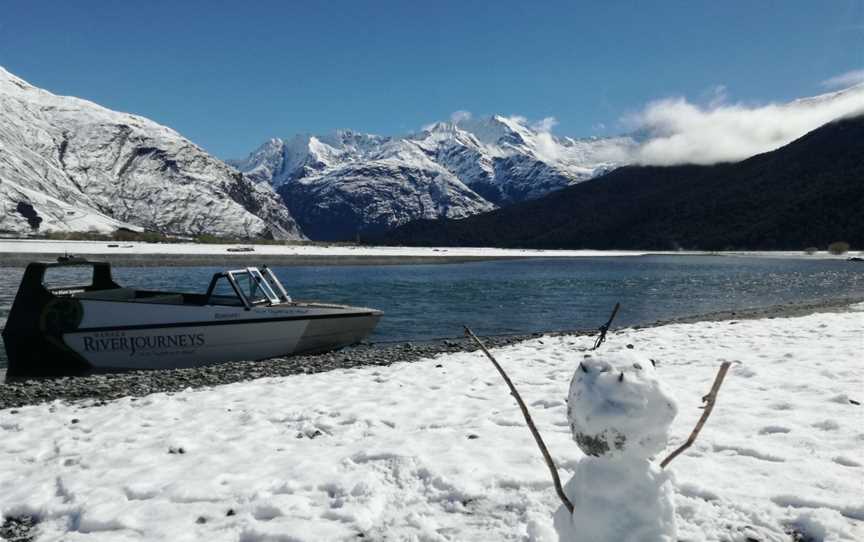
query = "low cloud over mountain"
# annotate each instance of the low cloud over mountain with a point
(681, 132)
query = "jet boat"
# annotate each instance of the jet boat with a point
(245, 314)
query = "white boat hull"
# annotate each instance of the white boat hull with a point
(112, 338)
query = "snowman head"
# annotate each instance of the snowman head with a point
(618, 408)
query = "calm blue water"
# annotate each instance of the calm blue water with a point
(431, 301)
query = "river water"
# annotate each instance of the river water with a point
(517, 296)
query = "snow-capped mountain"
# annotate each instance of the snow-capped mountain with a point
(503, 157)
(374, 195)
(345, 182)
(509, 161)
(67, 164)
(278, 161)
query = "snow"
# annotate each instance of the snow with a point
(101, 247)
(82, 167)
(38, 246)
(437, 449)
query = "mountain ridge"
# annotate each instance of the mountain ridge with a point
(807, 193)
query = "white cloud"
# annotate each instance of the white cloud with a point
(844, 80)
(546, 147)
(544, 125)
(459, 116)
(681, 132)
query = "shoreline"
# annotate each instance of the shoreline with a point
(106, 387)
(20, 252)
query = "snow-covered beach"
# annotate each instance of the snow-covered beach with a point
(437, 450)
(18, 252)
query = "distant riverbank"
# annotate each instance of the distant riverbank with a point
(20, 252)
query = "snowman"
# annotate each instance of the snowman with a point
(619, 415)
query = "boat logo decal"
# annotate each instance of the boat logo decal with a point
(119, 342)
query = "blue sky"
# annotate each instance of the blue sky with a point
(228, 75)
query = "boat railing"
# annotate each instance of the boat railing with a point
(262, 284)
(275, 282)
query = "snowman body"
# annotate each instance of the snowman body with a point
(619, 415)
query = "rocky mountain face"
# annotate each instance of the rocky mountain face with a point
(67, 164)
(347, 183)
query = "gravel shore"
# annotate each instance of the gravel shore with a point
(101, 388)
(17, 529)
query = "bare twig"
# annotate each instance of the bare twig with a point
(605, 327)
(709, 401)
(537, 438)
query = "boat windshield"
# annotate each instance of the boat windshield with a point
(254, 287)
(250, 286)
